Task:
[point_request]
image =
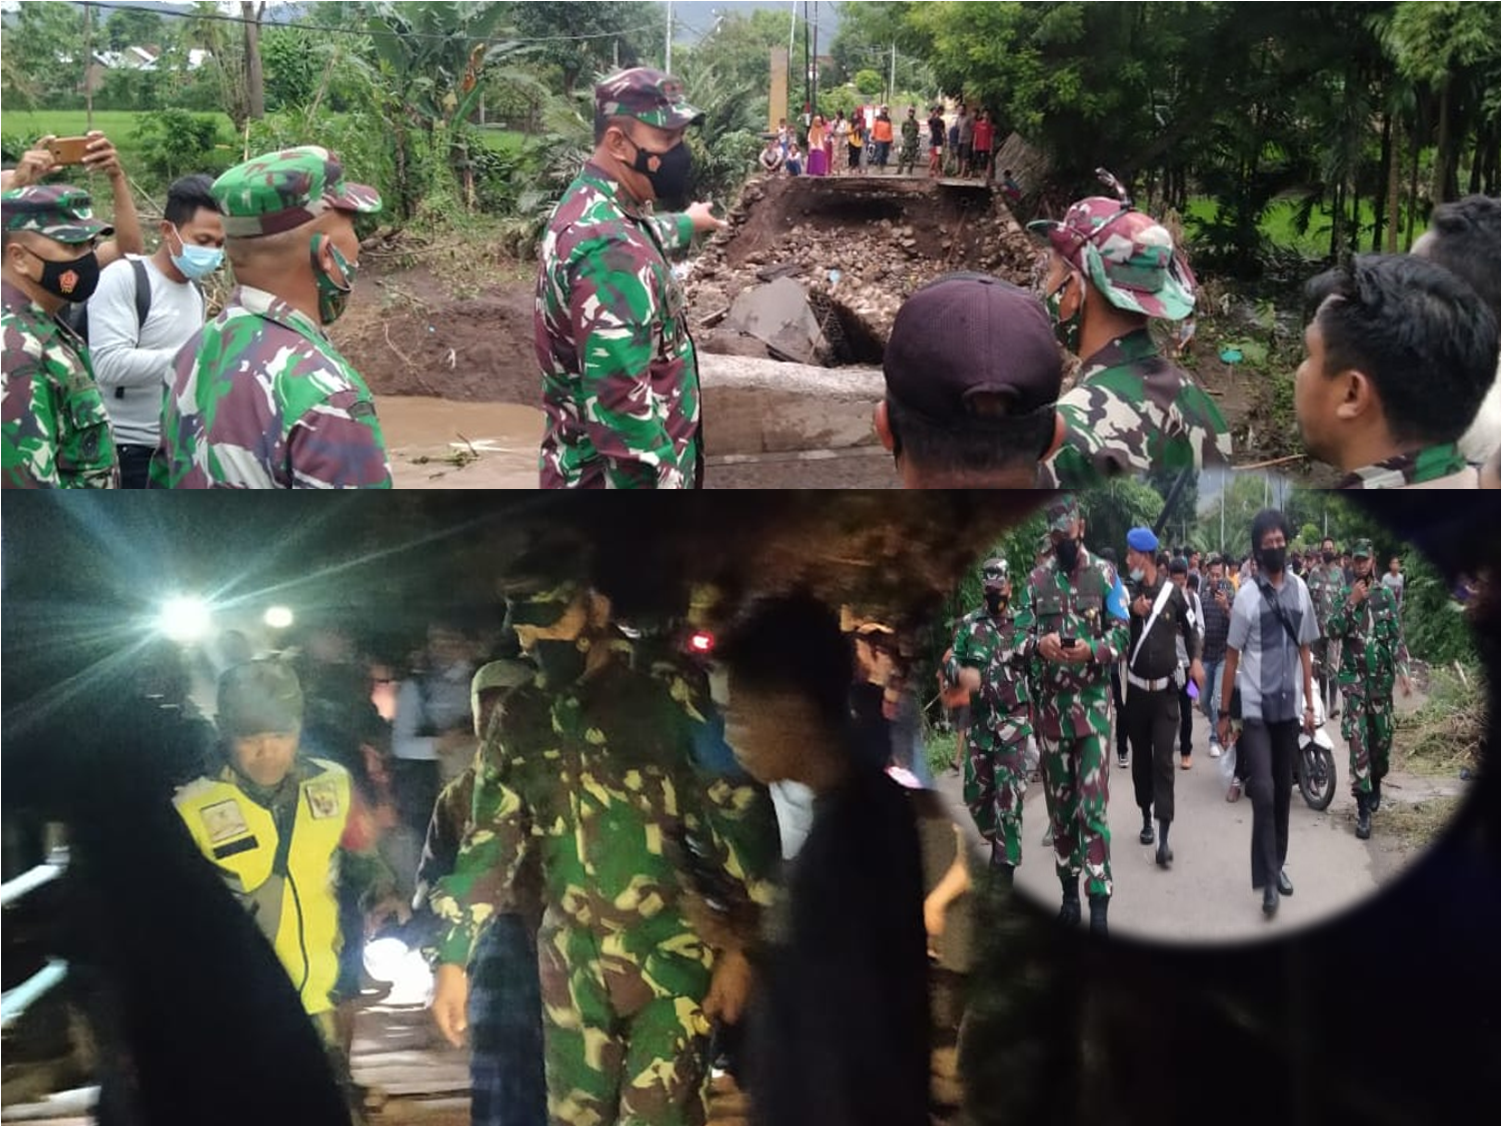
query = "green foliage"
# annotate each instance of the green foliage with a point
(41, 49)
(585, 39)
(1434, 624)
(134, 28)
(869, 84)
(174, 143)
(126, 89)
(360, 140)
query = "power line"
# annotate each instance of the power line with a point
(222, 17)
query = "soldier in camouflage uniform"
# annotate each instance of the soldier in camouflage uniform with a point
(1081, 598)
(620, 376)
(1366, 620)
(54, 429)
(1112, 268)
(907, 155)
(988, 658)
(653, 874)
(1326, 583)
(260, 398)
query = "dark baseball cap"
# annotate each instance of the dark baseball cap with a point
(972, 334)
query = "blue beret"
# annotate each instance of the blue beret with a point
(1142, 540)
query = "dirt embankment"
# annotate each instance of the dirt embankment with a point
(455, 321)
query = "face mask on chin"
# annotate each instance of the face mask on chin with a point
(332, 297)
(560, 662)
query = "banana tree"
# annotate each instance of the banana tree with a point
(436, 56)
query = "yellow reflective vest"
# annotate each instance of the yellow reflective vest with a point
(288, 884)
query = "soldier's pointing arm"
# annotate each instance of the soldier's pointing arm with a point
(614, 309)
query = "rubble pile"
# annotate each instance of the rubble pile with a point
(857, 246)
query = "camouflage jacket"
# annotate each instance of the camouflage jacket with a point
(1372, 639)
(1133, 412)
(54, 430)
(1090, 606)
(599, 779)
(261, 399)
(1422, 467)
(1325, 583)
(620, 377)
(998, 648)
(909, 134)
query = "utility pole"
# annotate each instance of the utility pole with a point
(813, 72)
(667, 51)
(892, 82)
(88, 67)
(808, 92)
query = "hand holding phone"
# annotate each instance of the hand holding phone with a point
(68, 150)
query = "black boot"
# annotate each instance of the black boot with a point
(1146, 836)
(1269, 900)
(1165, 854)
(1376, 796)
(1069, 911)
(1098, 905)
(1363, 816)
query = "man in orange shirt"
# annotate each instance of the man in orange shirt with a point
(881, 133)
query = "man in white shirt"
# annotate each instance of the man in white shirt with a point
(133, 354)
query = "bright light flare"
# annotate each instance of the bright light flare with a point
(278, 618)
(701, 642)
(185, 619)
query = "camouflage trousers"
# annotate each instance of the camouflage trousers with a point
(907, 157)
(1366, 724)
(995, 782)
(624, 1036)
(1076, 786)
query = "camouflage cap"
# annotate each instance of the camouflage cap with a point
(259, 696)
(55, 211)
(651, 97)
(1361, 549)
(994, 572)
(1129, 256)
(1062, 513)
(509, 673)
(281, 191)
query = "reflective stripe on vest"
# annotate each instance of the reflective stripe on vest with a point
(239, 837)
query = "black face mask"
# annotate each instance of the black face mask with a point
(995, 602)
(74, 280)
(1329, 557)
(670, 181)
(559, 662)
(1067, 552)
(1271, 560)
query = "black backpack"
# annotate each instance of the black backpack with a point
(76, 315)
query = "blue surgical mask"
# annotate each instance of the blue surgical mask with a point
(195, 262)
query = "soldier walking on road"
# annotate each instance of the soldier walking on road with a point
(989, 660)
(1326, 582)
(261, 398)
(1160, 615)
(653, 873)
(1078, 610)
(620, 374)
(1366, 620)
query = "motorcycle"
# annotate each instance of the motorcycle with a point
(1314, 766)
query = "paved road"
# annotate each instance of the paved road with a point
(1207, 896)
